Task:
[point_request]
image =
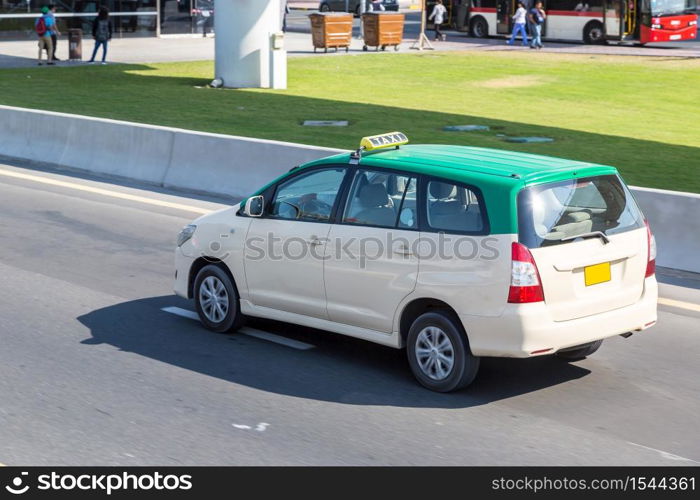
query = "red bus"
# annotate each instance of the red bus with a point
(592, 21)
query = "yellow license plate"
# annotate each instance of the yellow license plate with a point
(600, 273)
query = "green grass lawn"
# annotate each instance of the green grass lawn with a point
(641, 114)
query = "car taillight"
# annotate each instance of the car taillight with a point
(525, 284)
(651, 252)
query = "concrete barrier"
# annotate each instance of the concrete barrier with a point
(168, 157)
(102, 146)
(237, 166)
(675, 221)
(230, 165)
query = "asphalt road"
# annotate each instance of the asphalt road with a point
(95, 373)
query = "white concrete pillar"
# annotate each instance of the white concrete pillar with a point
(244, 30)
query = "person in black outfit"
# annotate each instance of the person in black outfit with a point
(102, 33)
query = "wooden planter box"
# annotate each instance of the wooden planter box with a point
(331, 30)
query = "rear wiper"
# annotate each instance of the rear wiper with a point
(592, 234)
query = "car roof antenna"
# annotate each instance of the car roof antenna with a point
(356, 156)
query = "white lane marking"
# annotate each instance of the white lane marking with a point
(258, 428)
(664, 454)
(251, 332)
(105, 192)
(679, 304)
(277, 339)
(179, 311)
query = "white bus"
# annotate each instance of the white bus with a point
(590, 21)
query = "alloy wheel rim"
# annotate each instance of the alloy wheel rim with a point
(213, 298)
(435, 353)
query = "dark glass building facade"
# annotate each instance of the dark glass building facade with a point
(129, 17)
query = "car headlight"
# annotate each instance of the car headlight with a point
(186, 233)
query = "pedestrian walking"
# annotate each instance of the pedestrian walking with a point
(376, 6)
(536, 16)
(102, 33)
(53, 30)
(41, 27)
(438, 17)
(519, 20)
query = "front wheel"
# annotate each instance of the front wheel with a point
(216, 300)
(438, 353)
(580, 351)
(324, 7)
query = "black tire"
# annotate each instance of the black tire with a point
(594, 33)
(324, 7)
(231, 317)
(357, 10)
(580, 351)
(479, 28)
(464, 364)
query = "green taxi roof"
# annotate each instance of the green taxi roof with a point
(497, 173)
(509, 169)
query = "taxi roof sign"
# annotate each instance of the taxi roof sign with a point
(390, 140)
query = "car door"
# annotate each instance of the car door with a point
(370, 263)
(285, 248)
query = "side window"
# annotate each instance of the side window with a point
(382, 199)
(308, 197)
(452, 207)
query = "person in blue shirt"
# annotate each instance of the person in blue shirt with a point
(42, 26)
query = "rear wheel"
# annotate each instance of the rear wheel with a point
(594, 33)
(580, 351)
(216, 300)
(479, 28)
(438, 353)
(325, 7)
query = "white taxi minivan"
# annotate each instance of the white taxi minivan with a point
(452, 252)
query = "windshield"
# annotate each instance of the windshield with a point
(555, 213)
(668, 7)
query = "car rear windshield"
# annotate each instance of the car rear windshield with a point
(556, 213)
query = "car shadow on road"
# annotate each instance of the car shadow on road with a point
(339, 369)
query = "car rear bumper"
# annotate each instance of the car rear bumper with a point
(525, 330)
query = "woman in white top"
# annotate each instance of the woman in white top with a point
(439, 12)
(519, 20)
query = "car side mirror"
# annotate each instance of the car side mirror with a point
(254, 206)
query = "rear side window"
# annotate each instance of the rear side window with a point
(551, 214)
(453, 208)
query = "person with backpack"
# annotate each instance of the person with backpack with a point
(536, 16)
(102, 33)
(41, 27)
(438, 17)
(519, 19)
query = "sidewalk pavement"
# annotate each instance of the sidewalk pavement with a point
(18, 54)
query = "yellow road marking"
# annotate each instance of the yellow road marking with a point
(680, 304)
(105, 192)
